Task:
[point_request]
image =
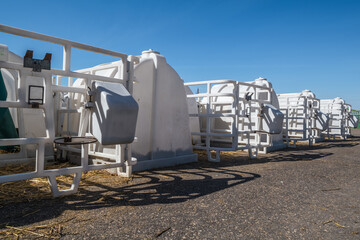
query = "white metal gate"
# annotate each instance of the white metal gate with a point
(230, 121)
(336, 110)
(52, 109)
(300, 118)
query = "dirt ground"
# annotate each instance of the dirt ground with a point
(302, 193)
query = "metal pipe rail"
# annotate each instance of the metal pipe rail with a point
(225, 81)
(60, 41)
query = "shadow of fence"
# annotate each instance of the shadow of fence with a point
(166, 186)
(163, 186)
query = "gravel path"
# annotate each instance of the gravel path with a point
(303, 193)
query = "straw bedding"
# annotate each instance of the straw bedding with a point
(38, 189)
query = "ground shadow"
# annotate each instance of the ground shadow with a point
(165, 186)
(333, 144)
(285, 155)
(337, 143)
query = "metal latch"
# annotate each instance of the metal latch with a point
(261, 112)
(90, 103)
(37, 64)
(248, 96)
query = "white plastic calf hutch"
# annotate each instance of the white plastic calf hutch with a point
(303, 119)
(229, 115)
(341, 119)
(162, 129)
(112, 102)
(38, 112)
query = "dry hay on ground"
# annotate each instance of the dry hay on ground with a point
(43, 231)
(38, 188)
(47, 231)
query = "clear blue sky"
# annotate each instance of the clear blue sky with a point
(297, 45)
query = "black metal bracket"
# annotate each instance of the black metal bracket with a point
(37, 64)
(248, 96)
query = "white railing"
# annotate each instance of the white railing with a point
(299, 119)
(347, 120)
(229, 121)
(337, 121)
(51, 107)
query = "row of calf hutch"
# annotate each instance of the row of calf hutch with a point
(137, 113)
